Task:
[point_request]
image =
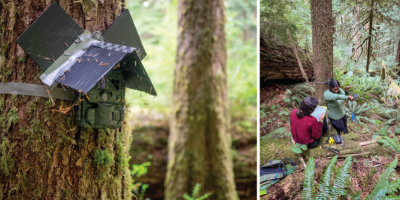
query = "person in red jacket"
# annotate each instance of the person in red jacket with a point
(305, 128)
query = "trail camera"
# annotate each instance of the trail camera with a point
(98, 67)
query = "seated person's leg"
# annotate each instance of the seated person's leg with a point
(325, 127)
(338, 125)
(345, 131)
(313, 144)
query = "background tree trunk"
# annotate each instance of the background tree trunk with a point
(356, 30)
(278, 61)
(43, 155)
(398, 54)
(371, 17)
(322, 34)
(199, 141)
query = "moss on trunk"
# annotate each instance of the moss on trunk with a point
(199, 141)
(43, 155)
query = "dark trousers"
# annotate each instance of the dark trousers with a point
(324, 129)
(340, 125)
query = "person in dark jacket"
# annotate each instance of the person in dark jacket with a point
(305, 128)
(334, 98)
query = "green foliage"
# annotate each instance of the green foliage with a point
(299, 148)
(364, 84)
(279, 133)
(391, 143)
(195, 194)
(160, 45)
(382, 187)
(324, 186)
(326, 191)
(139, 170)
(308, 186)
(357, 109)
(298, 93)
(397, 130)
(12, 116)
(6, 162)
(136, 172)
(341, 178)
(278, 16)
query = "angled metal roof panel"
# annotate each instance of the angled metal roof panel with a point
(135, 75)
(94, 64)
(47, 37)
(123, 32)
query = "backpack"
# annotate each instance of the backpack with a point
(273, 171)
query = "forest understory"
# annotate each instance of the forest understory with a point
(377, 116)
(150, 145)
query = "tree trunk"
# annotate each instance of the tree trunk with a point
(371, 16)
(199, 141)
(357, 31)
(43, 154)
(278, 61)
(398, 54)
(322, 34)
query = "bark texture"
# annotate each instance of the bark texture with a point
(199, 141)
(43, 155)
(371, 17)
(278, 61)
(398, 54)
(153, 140)
(322, 40)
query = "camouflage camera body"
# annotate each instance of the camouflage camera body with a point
(103, 106)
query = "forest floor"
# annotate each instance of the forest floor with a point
(276, 140)
(150, 132)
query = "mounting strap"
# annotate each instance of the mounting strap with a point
(36, 90)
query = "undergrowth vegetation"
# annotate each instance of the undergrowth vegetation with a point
(339, 187)
(376, 109)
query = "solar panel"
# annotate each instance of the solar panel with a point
(123, 32)
(95, 64)
(49, 36)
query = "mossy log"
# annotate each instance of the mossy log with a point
(278, 61)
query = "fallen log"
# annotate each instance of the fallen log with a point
(368, 142)
(278, 61)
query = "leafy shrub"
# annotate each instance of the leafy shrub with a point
(299, 148)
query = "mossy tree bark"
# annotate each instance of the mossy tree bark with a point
(322, 40)
(199, 141)
(43, 155)
(371, 17)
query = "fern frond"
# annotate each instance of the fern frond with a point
(340, 179)
(394, 187)
(196, 190)
(324, 186)
(363, 108)
(308, 186)
(390, 143)
(392, 197)
(379, 191)
(386, 174)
